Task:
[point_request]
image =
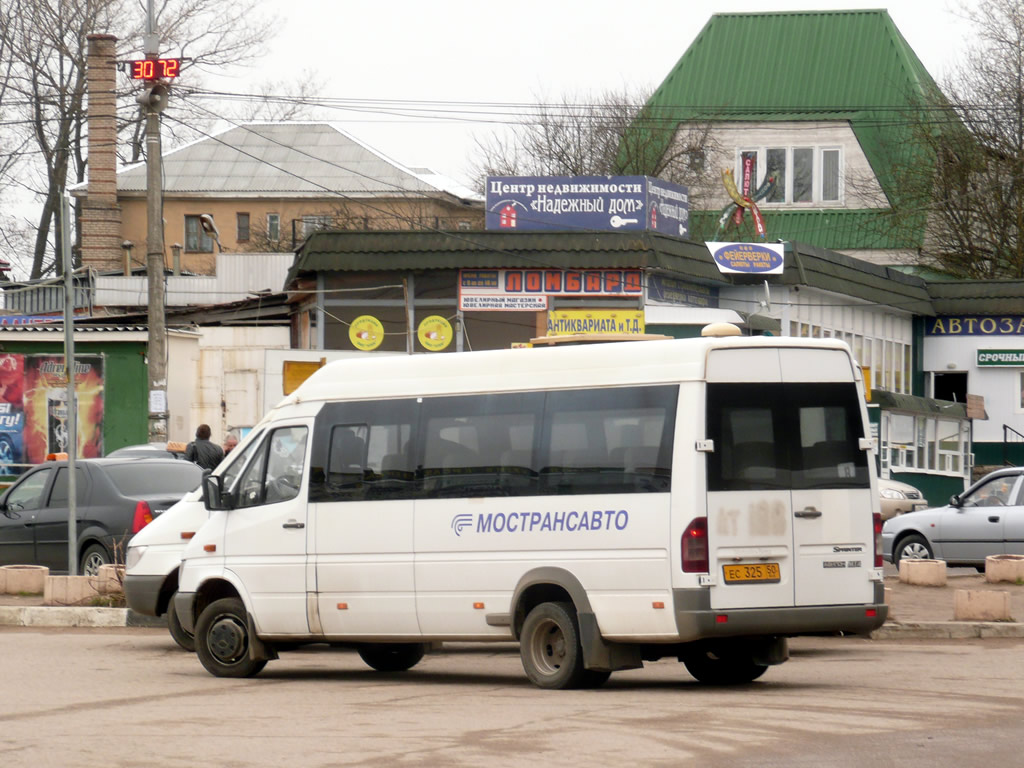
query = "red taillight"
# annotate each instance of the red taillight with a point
(695, 546)
(878, 540)
(143, 517)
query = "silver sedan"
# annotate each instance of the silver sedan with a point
(987, 519)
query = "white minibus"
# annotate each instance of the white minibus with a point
(603, 505)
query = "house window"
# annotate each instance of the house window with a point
(196, 240)
(802, 174)
(776, 166)
(311, 224)
(242, 224)
(273, 227)
(830, 175)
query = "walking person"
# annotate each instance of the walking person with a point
(203, 452)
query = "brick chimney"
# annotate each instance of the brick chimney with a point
(101, 214)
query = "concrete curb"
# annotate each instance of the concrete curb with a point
(75, 616)
(948, 630)
(44, 616)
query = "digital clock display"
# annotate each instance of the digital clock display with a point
(155, 69)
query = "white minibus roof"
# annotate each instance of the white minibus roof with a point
(588, 365)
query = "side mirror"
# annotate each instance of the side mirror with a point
(954, 500)
(214, 497)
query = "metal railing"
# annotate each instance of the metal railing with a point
(1013, 447)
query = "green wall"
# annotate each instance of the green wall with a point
(936, 488)
(125, 385)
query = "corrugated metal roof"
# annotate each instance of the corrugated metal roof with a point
(804, 265)
(282, 158)
(860, 229)
(978, 297)
(802, 65)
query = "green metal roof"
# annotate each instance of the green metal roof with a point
(977, 297)
(846, 229)
(802, 65)
(373, 251)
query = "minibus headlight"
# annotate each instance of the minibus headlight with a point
(134, 554)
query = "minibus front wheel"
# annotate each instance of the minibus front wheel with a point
(222, 640)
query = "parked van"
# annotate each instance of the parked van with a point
(154, 553)
(604, 505)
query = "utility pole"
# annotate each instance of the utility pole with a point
(72, 398)
(154, 101)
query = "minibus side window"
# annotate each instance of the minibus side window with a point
(238, 460)
(285, 461)
(616, 440)
(480, 445)
(346, 461)
(275, 474)
(363, 451)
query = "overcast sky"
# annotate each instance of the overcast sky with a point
(487, 52)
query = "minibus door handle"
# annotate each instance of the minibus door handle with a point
(808, 512)
(293, 524)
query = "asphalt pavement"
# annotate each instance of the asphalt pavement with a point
(914, 611)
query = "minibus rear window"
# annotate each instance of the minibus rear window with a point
(785, 436)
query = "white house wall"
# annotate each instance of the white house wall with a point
(880, 337)
(182, 364)
(239, 275)
(228, 377)
(860, 188)
(1001, 387)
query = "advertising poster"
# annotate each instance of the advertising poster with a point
(584, 203)
(12, 413)
(46, 407)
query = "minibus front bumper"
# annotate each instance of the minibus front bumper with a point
(183, 602)
(696, 620)
(142, 593)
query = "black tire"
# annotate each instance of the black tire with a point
(912, 547)
(178, 633)
(392, 657)
(93, 557)
(550, 649)
(222, 640)
(728, 669)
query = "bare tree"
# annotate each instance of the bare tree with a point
(612, 134)
(45, 78)
(967, 178)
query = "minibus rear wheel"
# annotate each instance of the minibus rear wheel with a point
(550, 649)
(392, 657)
(222, 640)
(733, 668)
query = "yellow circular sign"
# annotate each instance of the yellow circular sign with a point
(366, 332)
(435, 333)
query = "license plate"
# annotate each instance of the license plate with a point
(751, 572)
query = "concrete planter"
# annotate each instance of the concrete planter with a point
(24, 579)
(926, 573)
(1004, 568)
(69, 590)
(110, 579)
(981, 605)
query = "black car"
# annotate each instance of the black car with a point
(116, 498)
(149, 451)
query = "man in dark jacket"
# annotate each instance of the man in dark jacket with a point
(201, 451)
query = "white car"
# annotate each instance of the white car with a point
(986, 519)
(898, 498)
